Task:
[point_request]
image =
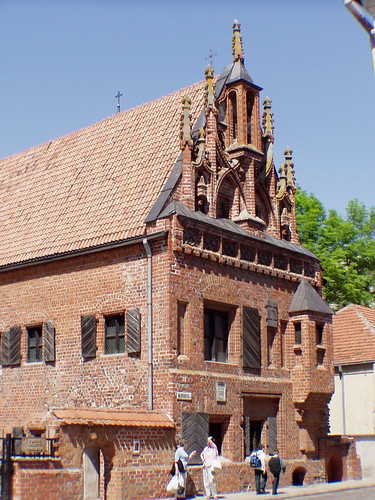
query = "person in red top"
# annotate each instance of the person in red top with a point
(208, 455)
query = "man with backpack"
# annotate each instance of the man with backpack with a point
(276, 465)
(258, 463)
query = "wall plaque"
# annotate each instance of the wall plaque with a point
(183, 396)
(221, 392)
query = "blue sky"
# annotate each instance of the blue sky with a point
(63, 61)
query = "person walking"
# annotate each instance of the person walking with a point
(208, 455)
(276, 465)
(181, 459)
(258, 458)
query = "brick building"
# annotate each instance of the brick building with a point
(153, 286)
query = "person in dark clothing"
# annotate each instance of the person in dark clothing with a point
(276, 465)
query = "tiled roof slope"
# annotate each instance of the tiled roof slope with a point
(127, 418)
(354, 335)
(91, 187)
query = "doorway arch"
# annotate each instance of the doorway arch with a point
(334, 469)
(298, 476)
(91, 472)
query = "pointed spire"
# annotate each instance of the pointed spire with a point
(267, 120)
(237, 49)
(210, 87)
(185, 134)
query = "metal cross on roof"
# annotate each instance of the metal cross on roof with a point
(210, 58)
(118, 97)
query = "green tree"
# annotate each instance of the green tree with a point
(344, 245)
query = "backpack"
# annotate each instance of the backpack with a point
(274, 465)
(255, 462)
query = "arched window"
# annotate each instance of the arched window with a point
(249, 112)
(233, 125)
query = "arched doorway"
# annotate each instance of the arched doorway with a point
(334, 469)
(298, 476)
(91, 472)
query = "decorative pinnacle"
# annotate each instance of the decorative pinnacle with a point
(290, 180)
(237, 49)
(267, 121)
(185, 134)
(210, 87)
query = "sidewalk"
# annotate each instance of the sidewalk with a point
(296, 491)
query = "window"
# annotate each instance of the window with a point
(319, 333)
(297, 333)
(215, 335)
(181, 315)
(34, 344)
(114, 334)
(233, 115)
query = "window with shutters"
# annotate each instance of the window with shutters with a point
(114, 334)
(251, 339)
(216, 331)
(34, 344)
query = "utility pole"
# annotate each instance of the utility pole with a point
(364, 12)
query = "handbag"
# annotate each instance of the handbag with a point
(216, 464)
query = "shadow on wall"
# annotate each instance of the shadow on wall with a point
(334, 469)
(298, 476)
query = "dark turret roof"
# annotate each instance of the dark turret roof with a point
(307, 299)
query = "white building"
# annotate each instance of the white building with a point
(352, 408)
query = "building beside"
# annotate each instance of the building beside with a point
(153, 287)
(352, 409)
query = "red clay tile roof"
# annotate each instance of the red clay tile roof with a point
(93, 186)
(354, 335)
(124, 418)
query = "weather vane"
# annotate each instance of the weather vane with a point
(118, 97)
(210, 58)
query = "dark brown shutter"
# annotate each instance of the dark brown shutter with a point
(195, 433)
(272, 313)
(272, 434)
(88, 336)
(133, 330)
(18, 434)
(11, 346)
(5, 347)
(49, 341)
(251, 347)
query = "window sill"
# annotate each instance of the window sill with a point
(112, 354)
(321, 348)
(297, 348)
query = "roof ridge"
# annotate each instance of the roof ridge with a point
(114, 116)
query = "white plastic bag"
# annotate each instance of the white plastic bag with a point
(173, 484)
(216, 464)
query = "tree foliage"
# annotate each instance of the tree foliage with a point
(344, 245)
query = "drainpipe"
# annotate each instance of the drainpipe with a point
(341, 375)
(149, 324)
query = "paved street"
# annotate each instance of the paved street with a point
(346, 490)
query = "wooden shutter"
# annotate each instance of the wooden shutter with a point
(272, 313)
(49, 341)
(18, 434)
(11, 346)
(88, 336)
(133, 330)
(272, 434)
(251, 346)
(5, 347)
(195, 433)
